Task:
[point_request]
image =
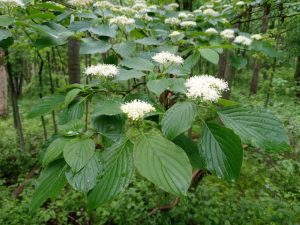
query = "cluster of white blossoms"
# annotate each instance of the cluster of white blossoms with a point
(185, 15)
(227, 33)
(121, 20)
(188, 24)
(136, 109)
(104, 4)
(211, 31)
(80, 3)
(175, 34)
(172, 21)
(167, 58)
(243, 40)
(205, 87)
(143, 16)
(210, 12)
(13, 3)
(102, 70)
(173, 5)
(256, 37)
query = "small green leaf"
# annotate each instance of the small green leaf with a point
(148, 41)
(129, 74)
(71, 95)
(178, 118)
(6, 21)
(4, 34)
(257, 127)
(163, 163)
(89, 46)
(138, 64)
(54, 150)
(118, 172)
(210, 55)
(125, 49)
(108, 107)
(222, 151)
(103, 30)
(78, 152)
(158, 86)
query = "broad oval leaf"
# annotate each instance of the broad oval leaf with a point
(89, 46)
(50, 182)
(54, 150)
(178, 119)
(129, 74)
(221, 151)
(256, 126)
(163, 163)
(71, 95)
(138, 64)
(158, 86)
(78, 152)
(118, 172)
(125, 49)
(86, 178)
(210, 55)
(107, 107)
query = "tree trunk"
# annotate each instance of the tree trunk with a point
(3, 87)
(74, 60)
(15, 107)
(256, 63)
(222, 64)
(228, 76)
(297, 77)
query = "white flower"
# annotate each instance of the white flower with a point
(102, 70)
(184, 15)
(139, 6)
(167, 58)
(137, 109)
(188, 24)
(205, 87)
(175, 34)
(223, 20)
(121, 20)
(197, 11)
(128, 10)
(143, 16)
(256, 37)
(240, 3)
(173, 5)
(13, 3)
(80, 3)
(104, 4)
(172, 21)
(243, 40)
(228, 33)
(210, 12)
(211, 31)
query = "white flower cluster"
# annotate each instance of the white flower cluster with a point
(173, 5)
(167, 58)
(185, 15)
(256, 37)
(172, 21)
(210, 12)
(104, 4)
(205, 87)
(228, 33)
(197, 11)
(13, 3)
(243, 40)
(80, 3)
(211, 31)
(102, 70)
(143, 16)
(121, 20)
(137, 109)
(175, 34)
(188, 24)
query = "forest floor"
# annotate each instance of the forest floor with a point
(268, 191)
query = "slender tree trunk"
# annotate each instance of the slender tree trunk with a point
(3, 87)
(74, 60)
(297, 77)
(228, 76)
(256, 62)
(222, 64)
(15, 107)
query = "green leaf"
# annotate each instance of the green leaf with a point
(107, 107)
(89, 46)
(86, 178)
(4, 34)
(177, 85)
(50, 182)
(125, 49)
(191, 149)
(6, 21)
(129, 74)
(178, 118)
(257, 127)
(71, 95)
(210, 55)
(54, 150)
(78, 152)
(118, 172)
(46, 105)
(191, 61)
(238, 61)
(103, 30)
(148, 41)
(158, 86)
(72, 128)
(226, 102)
(80, 26)
(138, 64)
(222, 151)
(163, 163)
